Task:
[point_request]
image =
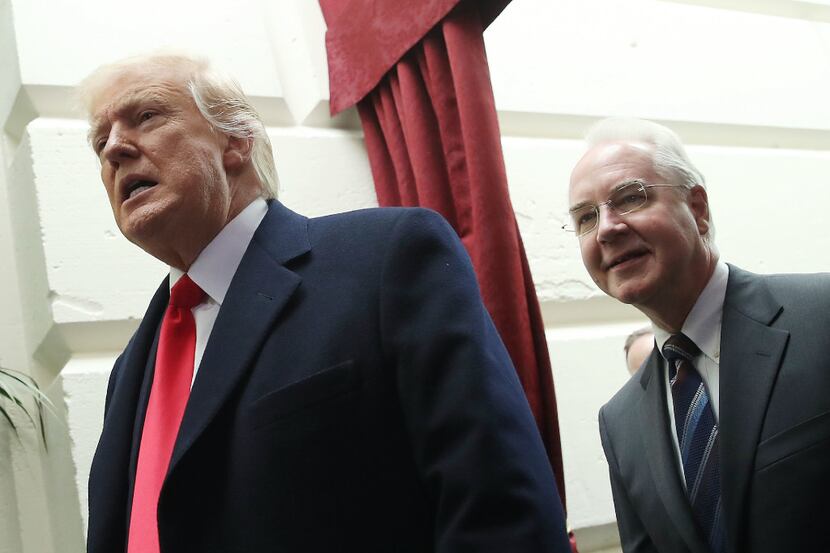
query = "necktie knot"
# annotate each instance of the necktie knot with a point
(679, 346)
(186, 293)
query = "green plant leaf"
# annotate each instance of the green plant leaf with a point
(29, 383)
(5, 414)
(10, 379)
(8, 418)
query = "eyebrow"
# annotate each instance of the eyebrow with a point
(126, 104)
(578, 206)
(619, 186)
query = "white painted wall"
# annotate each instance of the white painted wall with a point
(744, 82)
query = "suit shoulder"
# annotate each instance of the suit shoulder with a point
(807, 292)
(376, 216)
(784, 281)
(799, 293)
(379, 224)
(801, 282)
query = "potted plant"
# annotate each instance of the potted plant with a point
(15, 390)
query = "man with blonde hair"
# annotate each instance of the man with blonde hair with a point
(297, 385)
(721, 442)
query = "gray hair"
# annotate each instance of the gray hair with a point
(669, 157)
(219, 99)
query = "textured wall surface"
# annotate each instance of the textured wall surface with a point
(744, 83)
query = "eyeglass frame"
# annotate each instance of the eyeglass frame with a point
(642, 186)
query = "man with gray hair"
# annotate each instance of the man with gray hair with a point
(721, 442)
(297, 385)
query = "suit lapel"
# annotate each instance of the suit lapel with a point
(662, 459)
(258, 292)
(751, 353)
(143, 400)
(121, 435)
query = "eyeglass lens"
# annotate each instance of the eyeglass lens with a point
(626, 199)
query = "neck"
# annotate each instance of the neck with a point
(184, 245)
(670, 313)
(183, 253)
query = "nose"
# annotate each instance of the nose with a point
(120, 146)
(609, 224)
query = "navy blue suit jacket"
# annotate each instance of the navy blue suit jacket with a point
(354, 396)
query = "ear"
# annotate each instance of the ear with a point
(699, 204)
(237, 152)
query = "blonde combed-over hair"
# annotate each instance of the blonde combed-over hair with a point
(218, 97)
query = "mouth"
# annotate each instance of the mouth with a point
(622, 261)
(133, 187)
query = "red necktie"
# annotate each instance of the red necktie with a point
(168, 397)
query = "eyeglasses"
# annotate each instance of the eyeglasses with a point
(624, 200)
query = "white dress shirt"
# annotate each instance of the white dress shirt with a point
(213, 270)
(702, 326)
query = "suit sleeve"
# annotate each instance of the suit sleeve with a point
(472, 435)
(633, 535)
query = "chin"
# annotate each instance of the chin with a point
(624, 298)
(629, 294)
(140, 227)
(147, 216)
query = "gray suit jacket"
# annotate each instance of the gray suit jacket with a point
(774, 429)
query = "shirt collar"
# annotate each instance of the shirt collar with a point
(217, 263)
(703, 323)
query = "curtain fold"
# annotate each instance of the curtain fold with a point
(432, 135)
(365, 38)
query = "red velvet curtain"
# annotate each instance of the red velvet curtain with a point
(418, 71)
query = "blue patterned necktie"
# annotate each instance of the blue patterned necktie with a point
(697, 434)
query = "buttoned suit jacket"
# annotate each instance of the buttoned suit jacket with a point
(774, 429)
(354, 396)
